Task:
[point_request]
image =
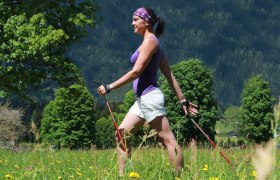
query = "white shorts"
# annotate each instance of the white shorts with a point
(149, 106)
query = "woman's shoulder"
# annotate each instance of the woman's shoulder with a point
(154, 38)
(149, 43)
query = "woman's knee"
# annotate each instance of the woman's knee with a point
(122, 134)
(119, 134)
(168, 138)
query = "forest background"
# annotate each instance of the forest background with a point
(236, 39)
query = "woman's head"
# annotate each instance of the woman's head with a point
(150, 17)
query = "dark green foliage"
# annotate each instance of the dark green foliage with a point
(257, 110)
(105, 133)
(128, 101)
(197, 84)
(276, 127)
(69, 119)
(34, 36)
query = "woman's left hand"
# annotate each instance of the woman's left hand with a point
(191, 108)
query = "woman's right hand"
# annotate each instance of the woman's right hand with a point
(101, 90)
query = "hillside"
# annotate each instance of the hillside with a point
(236, 39)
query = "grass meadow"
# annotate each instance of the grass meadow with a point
(40, 162)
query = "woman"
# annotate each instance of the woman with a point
(149, 104)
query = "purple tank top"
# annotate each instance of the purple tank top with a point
(147, 81)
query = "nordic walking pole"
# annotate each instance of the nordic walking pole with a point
(114, 120)
(213, 144)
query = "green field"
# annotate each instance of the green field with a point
(149, 163)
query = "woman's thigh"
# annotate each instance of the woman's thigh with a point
(131, 123)
(161, 125)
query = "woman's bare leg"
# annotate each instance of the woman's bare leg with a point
(161, 125)
(131, 123)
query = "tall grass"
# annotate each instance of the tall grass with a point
(148, 163)
(40, 162)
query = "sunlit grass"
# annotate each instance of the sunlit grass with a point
(146, 163)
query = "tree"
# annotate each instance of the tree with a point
(197, 84)
(34, 36)
(232, 116)
(257, 110)
(276, 127)
(11, 127)
(128, 101)
(2, 94)
(69, 120)
(105, 133)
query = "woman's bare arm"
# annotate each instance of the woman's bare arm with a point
(165, 69)
(187, 105)
(146, 51)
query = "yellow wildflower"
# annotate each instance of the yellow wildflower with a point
(213, 178)
(9, 176)
(134, 175)
(205, 167)
(59, 178)
(254, 173)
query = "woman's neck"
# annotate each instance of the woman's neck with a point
(148, 33)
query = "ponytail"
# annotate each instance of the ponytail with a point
(160, 27)
(155, 20)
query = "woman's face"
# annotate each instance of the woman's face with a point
(139, 25)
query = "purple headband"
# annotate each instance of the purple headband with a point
(143, 14)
